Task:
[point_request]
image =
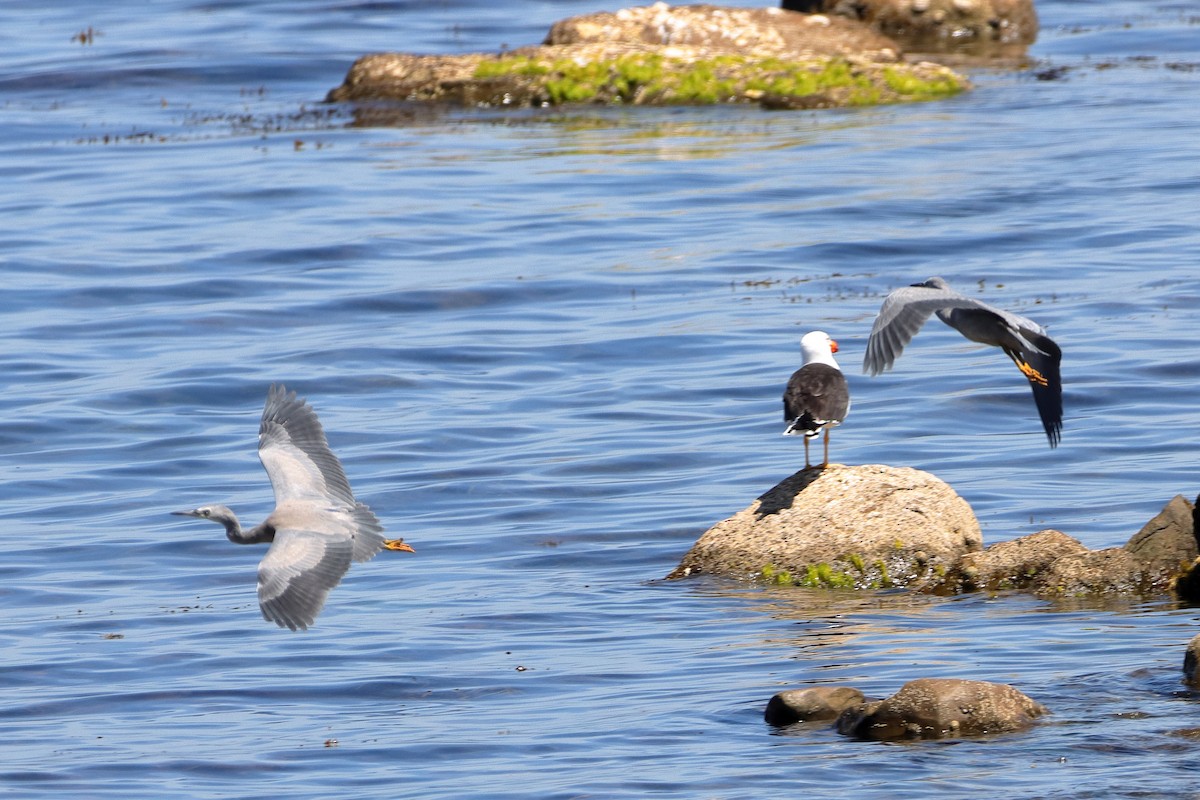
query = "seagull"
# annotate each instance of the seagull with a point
(817, 397)
(905, 310)
(317, 527)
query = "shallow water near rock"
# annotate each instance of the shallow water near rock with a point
(549, 349)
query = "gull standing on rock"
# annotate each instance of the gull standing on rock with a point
(317, 527)
(905, 310)
(817, 397)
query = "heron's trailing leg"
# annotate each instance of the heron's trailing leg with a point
(1032, 374)
(397, 544)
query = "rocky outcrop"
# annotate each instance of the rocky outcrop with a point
(843, 527)
(934, 708)
(661, 55)
(811, 704)
(939, 25)
(1049, 563)
(875, 526)
(1153, 561)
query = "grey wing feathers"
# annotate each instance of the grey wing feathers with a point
(295, 453)
(295, 576)
(902, 314)
(368, 533)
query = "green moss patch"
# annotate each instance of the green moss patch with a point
(831, 576)
(654, 79)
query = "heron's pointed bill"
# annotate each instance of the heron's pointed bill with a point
(399, 545)
(191, 513)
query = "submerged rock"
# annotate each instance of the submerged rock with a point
(934, 708)
(662, 55)
(845, 527)
(811, 704)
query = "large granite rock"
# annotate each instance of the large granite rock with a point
(848, 527)
(939, 25)
(934, 708)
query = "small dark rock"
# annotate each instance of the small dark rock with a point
(1051, 73)
(1191, 662)
(812, 703)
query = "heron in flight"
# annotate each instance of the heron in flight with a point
(905, 310)
(817, 397)
(317, 527)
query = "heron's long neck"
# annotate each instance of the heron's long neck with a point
(256, 535)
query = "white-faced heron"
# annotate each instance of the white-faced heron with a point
(817, 397)
(317, 527)
(905, 310)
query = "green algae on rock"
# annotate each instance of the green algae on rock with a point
(648, 78)
(642, 77)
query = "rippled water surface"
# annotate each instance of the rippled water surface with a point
(549, 350)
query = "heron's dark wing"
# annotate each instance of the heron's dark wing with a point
(295, 576)
(293, 449)
(1040, 359)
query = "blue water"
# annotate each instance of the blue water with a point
(549, 349)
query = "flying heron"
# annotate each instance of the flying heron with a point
(817, 397)
(905, 310)
(317, 527)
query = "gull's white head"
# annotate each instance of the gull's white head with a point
(817, 348)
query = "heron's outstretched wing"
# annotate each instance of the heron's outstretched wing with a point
(903, 313)
(295, 576)
(293, 450)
